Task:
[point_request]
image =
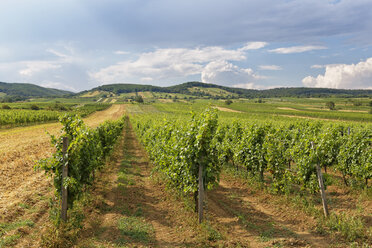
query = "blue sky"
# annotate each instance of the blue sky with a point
(80, 44)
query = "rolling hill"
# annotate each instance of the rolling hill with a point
(198, 89)
(25, 91)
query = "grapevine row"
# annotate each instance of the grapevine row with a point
(86, 153)
(275, 152)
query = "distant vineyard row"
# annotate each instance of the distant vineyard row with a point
(16, 117)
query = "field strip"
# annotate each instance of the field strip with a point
(307, 117)
(228, 110)
(20, 148)
(286, 108)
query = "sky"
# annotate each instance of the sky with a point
(80, 44)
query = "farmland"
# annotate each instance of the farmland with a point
(267, 203)
(18, 114)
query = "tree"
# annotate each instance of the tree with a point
(331, 105)
(34, 107)
(138, 99)
(228, 102)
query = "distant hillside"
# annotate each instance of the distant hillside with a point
(19, 90)
(199, 89)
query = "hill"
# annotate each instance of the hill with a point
(24, 91)
(198, 89)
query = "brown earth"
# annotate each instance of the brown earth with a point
(24, 192)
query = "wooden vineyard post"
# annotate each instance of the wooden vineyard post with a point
(201, 194)
(321, 186)
(64, 175)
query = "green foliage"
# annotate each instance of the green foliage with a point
(350, 227)
(34, 107)
(138, 99)
(25, 114)
(355, 155)
(331, 105)
(86, 153)
(178, 147)
(228, 102)
(6, 106)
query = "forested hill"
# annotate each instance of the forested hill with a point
(20, 90)
(203, 89)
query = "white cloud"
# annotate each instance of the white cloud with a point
(223, 72)
(166, 63)
(253, 45)
(317, 66)
(246, 86)
(343, 76)
(121, 52)
(33, 67)
(296, 49)
(58, 85)
(270, 67)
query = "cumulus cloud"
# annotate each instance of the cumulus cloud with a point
(166, 63)
(296, 49)
(270, 67)
(223, 72)
(253, 45)
(343, 76)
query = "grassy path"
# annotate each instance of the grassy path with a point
(133, 210)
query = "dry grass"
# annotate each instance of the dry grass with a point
(20, 185)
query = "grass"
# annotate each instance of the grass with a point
(6, 228)
(350, 227)
(136, 228)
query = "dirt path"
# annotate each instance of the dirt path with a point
(228, 110)
(255, 220)
(24, 192)
(132, 209)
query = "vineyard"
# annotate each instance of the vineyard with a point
(17, 115)
(282, 150)
(252, 179)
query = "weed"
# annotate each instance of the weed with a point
(350, 227)
(212, 234)
(136, 228)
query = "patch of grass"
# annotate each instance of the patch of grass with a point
(125, 179)
(212, 233)
(350, 227)
(267, 233)
(136, 228)
(24, 205)
(9, 240)
(6, 227)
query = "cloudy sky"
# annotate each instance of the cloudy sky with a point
(80, 44)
